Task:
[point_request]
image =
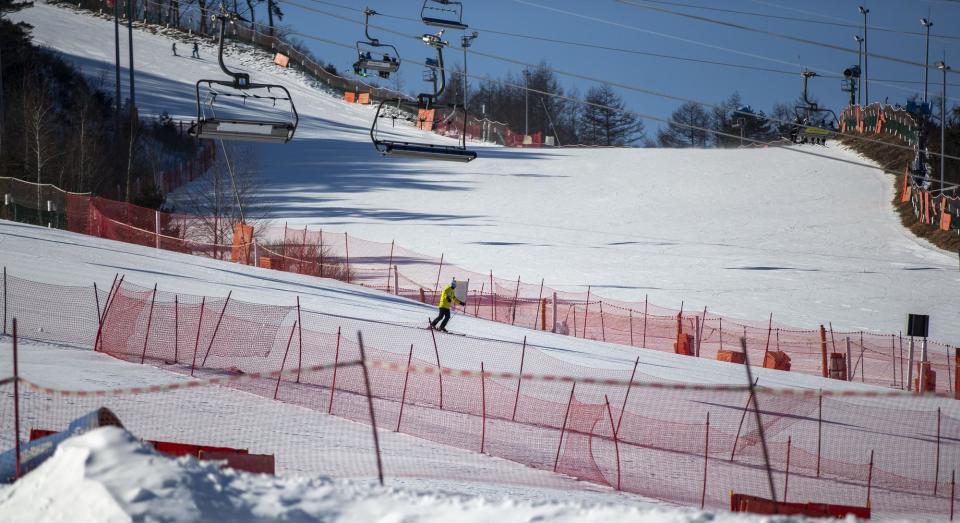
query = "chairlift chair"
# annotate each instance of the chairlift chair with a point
(427, 151)
(373, 55)
(807, 127)
(279, 130)
(443, 13)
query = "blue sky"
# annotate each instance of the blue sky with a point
(625, 26)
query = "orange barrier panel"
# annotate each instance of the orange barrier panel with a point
(730, 356)
(242, 241)
(282, 60)
(364, 98)
(425, 118)
(776, 360)
(350, 97)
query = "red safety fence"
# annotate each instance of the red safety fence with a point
(869, 357)
(611, 427)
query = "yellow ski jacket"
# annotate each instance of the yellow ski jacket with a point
(448, 295)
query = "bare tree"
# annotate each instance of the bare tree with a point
(39, 111)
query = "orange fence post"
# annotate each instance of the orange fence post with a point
(146, 334)
(403, 395)
(284, 362)
(336, 364)
(436, 351)
(616, 444)
(523, 353)
(196, 344)
(563, 427)
(483, 407)
(706, 459)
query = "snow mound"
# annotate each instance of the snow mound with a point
(107, 475)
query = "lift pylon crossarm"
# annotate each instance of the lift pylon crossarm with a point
(443, 13)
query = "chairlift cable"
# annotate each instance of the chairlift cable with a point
(821, 71)
(612, 83)
(641, 5)
(803, 20)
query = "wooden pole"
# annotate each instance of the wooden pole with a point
(389, 265)
(819, 428)
(476, 308)
(893, 357)
(516, 297)
(646, 300)
(706, 459)
(493, 300)
(850, 369)
(564, 426)
(176, 328)
(196, 344)
(16, 402)
(936, 468)
(146, 334)
(336, 364)
(953, 489)
(541, 305)
(396, 281)
(630, 313)
(216, 329)
(403, 395)
(616, 443)
(283, 364)
(373, 419)
(824, 370)
(743, 417)
(436, 286)
(702, 325)
(626, 395)
(516, 400)
(603, 329)
(869, 478)
(436, 351)
(586, 311)
(766, 349)
(300, 345)
(786, 475)
(483, 407)
(543, 314)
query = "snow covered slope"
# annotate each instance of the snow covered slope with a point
(744, 232)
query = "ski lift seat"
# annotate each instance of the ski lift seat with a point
(246, 130)
(447, 24)
(428, 151)
(380, 66)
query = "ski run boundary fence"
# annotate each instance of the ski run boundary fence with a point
(868, 357)
(619, 429)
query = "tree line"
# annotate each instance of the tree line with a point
(58, 127)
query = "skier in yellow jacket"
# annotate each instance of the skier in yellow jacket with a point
(446, 297)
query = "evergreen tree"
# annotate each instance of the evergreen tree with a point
(689, 126)
(605, 120)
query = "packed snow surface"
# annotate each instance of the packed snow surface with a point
(743, 232)
(108, 476)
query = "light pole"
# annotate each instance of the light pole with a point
(465, 42)
(943, 122)
(866, 58)
(926, 70)
(859, 40)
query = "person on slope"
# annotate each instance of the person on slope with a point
(174, 49)
(196, 51)
(448, 295)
